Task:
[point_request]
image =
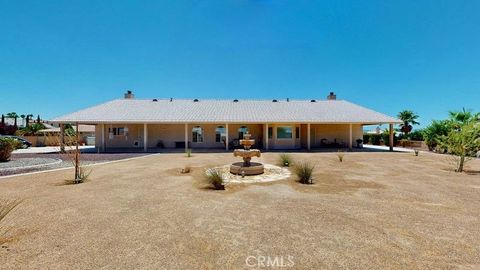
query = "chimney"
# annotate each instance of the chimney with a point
(332, 96)
(129, 95)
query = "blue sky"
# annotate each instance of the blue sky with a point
(61, 56)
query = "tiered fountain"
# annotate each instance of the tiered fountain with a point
(246, 167)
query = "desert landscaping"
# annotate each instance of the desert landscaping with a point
(373, 210)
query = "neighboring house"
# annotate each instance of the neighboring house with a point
(21, 122)
(145, 124)
(85, 133)
(51, 136)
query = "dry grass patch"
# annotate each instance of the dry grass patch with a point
(6, 207)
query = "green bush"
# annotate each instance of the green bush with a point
(304, 172)
(434, 132)
(215, 177)
(375, 139)
(285, 160)
(416, 135)
(386, 138)
(366, 138)
(7, 145)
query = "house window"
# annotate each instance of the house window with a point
(284, 133)
(241, 131)
(297, 132)
(270, 132)
(220, 134)
(197, 134)
(116, 131)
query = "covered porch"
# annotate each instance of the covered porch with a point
(216, 136)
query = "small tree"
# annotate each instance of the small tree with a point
(463, 143)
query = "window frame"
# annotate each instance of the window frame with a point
(286, 127)
(196, 135)
(242, 132)
(218, 134)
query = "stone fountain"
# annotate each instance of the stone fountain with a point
(246, 167)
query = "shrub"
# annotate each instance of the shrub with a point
(366, 138)
(7, 145)
(416, 152)
(285, 160)
(434, 132)
(416, 135)
(386, 138)
(188, 152)
(215, 177)
(30, 130)
(374, 139)
(340, 156)
(304, 172)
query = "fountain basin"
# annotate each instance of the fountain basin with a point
(246, 153)
(239, 168)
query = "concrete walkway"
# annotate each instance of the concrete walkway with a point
(52, 149)
(386, 148)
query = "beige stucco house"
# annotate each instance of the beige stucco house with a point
(153, 124)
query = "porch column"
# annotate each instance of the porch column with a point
(266, 136)
(350, 135)
(186, 137)
(391, 137)
(308, 137)
(62, 138)
(103, 138)
(226, 137)
(145, 137)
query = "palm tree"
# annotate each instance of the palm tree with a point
(23, 118)
(409, 118)
(463, 116)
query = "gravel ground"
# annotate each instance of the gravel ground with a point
(372, 211)
(19, 160)
(18, 163)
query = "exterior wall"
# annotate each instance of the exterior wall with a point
(169, 134)
(332, 132)
(132, 139)
(166, 134)
(293, 143)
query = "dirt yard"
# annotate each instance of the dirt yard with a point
(373, 211)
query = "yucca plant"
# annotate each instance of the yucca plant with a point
(340, 156)
(285, 160)
(188, 152)
(215, 177)
(304, 172)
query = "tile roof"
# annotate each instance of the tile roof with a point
(226, 111)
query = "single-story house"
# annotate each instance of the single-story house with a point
(150, 124)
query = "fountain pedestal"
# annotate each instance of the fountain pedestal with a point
(246, 167)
